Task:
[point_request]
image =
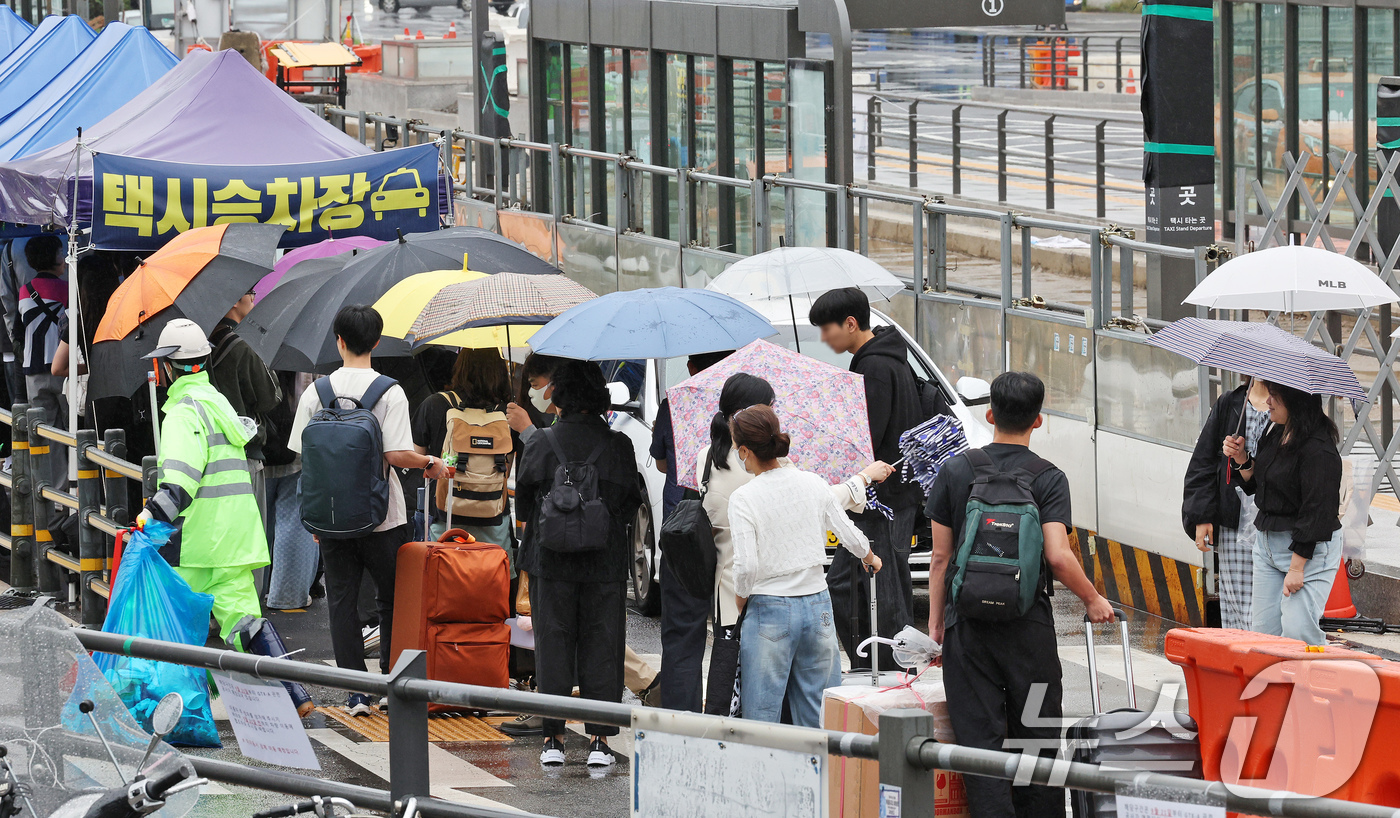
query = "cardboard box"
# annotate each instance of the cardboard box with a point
(855, 783)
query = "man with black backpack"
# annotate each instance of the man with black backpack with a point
(1001, 523)
(352, 430)
(894, 404)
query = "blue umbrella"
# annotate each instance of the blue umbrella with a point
(1260, 351)
(666, 322)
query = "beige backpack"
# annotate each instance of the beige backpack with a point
(480, 442)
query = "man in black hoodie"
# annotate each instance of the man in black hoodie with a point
(893, 403)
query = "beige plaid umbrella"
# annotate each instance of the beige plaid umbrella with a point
(503, 299)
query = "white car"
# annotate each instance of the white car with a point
(641, 385)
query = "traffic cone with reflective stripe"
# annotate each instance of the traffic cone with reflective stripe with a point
(451, 31)
(419, 35)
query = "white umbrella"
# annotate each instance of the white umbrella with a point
(787, 272)
(1291, 279)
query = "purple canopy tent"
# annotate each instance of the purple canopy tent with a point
(213, 108)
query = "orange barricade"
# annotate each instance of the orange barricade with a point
(371, 59)
(1277, 713)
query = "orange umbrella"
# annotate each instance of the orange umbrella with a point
(199, 275)
(203, 271)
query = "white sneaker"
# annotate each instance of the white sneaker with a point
(553, 753)
(599, 755)
(371, 636)
(359, 704)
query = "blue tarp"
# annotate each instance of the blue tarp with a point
(42, 55)
(117, 66)
(13, 30)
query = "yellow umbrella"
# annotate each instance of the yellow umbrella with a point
(405, 301)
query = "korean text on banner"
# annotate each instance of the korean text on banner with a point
(140, 204)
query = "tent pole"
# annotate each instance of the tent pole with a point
(74, 311)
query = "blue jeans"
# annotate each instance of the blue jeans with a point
(788, 649)
(1292, 616)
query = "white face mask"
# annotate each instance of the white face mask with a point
(538, 399)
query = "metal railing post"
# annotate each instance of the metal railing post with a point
(1008, 225)
(150, 473)
(940, 252)
(683, 207)
(843, 217)
(870, 130)
(556, 181)
(114, 487)
(91, 559)
(1050, 162)
(1105, 251)
(1100, 191)
(23, 577)
(1023, 62)
(761, 225)
(1001, 155)
(901, 731)
(361, 133)
(408, 730)
(1094, 320)
(920, 260)
(50, 575)
(992, 61)
(914, 144)
(500, 174)
(1025, 262)
(957, 149)
(789, 217)
(1125, 281)
(1118, 65)
(1054, 62)
(863, 215)
(1084, 64)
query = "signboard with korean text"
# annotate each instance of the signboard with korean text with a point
(140, 204)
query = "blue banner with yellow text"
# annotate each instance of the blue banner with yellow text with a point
(140, 204)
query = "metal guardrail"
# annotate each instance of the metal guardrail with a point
(1087, 63)
(36, 564)
(906, 752)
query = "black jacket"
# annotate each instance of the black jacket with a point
(1206, 497)
(892, 400)
(618, 485)
(242, 377)
(1298, 488)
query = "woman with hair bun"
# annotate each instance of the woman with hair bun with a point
(778, 522)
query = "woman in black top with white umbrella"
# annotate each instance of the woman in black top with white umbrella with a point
(1296, 479)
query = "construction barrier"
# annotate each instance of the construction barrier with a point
(1275, 712)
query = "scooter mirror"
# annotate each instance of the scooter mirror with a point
(167, 714)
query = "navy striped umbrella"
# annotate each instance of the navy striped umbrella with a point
(1262, 351)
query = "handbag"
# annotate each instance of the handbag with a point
(722, 686)
(687, 542)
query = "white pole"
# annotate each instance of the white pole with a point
(155, 408)
(74, 313)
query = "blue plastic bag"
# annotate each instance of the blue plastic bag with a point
(151, 601)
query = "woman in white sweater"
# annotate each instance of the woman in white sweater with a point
(778, 522)
(726, 473)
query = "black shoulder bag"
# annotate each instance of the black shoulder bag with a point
(687, 542)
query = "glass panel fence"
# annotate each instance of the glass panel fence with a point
(1147, 391)
(647, 262)
(700, 267)
(962, 337)
(1061, 354)
(475, 213)
(589, 256)
(533, 230)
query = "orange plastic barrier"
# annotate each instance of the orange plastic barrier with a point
(1277, 713)
(371, 59)
(197, 47)
(1065, 58)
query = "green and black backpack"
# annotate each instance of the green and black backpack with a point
(1000, 562)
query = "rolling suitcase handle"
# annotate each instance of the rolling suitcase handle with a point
(1093, 665)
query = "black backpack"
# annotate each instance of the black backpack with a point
(687, 542)
(1000, 563)
(572, 518)
(344, 488)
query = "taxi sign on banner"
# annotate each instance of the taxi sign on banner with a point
(265, 721)
(140, 204)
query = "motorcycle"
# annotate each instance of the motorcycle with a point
(68, 746)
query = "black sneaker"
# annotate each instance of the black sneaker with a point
(599, 754)
(523, 725)
(553, 753)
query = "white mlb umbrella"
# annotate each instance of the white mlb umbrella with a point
(1291, 279)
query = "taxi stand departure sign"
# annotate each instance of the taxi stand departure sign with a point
(140, 204)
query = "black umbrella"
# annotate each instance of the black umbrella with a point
(291, 326)
(483, 251)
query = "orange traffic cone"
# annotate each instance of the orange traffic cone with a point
(419, 35)
(451, 31)
(1339, 604)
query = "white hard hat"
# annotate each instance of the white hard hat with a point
(181, 339)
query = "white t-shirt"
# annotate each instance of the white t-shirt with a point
(392, 412)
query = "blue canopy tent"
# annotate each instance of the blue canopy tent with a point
(13, 30)
(42, 55)
(121, 63)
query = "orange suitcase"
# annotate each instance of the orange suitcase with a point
(451, 599)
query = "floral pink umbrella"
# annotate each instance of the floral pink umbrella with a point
(821, 407)
(321, 249)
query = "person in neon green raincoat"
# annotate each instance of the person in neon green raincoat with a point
(204, 487)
